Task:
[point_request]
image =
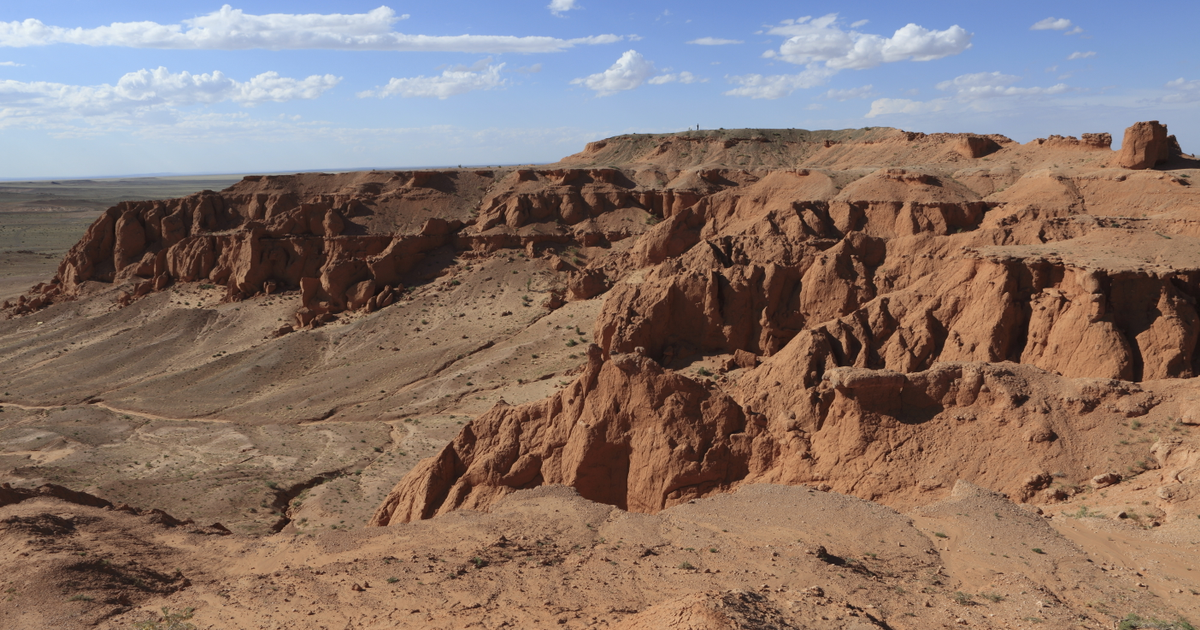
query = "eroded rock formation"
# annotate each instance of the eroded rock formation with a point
(872, 296)
(626, 432)
(871, 316)
(1146, 145)
(631, 434)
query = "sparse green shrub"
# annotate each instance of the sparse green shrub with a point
(1084, 512)
(170, 621)
(1135, 622)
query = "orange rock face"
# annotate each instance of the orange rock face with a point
(626, 432)
(631, 434)
(878, 304)
(1145, 146)
(346, 242)
(874, 320)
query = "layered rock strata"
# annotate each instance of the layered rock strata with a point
(889, 311)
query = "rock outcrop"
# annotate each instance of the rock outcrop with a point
(868, 297)
(871, 317)
(627, 433)
(347, 242)
(1145, 146)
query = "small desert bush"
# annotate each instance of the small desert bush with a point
(1137, 622)
(176, 620)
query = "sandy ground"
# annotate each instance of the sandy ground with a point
(777, 556)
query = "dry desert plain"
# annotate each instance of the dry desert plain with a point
(705, 380)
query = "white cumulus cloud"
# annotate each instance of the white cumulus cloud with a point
(715, 41)
(234, 29)
(821, 40)
(630, 71)
(558, 7)
(452, 82)
(1081, 55)
(1051, 24)
(825, 49)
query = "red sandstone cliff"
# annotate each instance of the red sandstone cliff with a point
(895, 312)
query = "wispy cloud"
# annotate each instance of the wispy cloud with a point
(1057, 24)
(1182, 91)
(234, 29)
(866, 91)
(993, 85)
(682, 77)
(893, 106)
(715, 41)
(1081, 55)
(980, 91)
(452, 82)
(11, 64)
(558, 7)
(1051, 24)
(146, 94)
(778, 85)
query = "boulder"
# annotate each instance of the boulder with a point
(1104, 480)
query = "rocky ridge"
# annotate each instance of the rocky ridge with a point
(869, 295)
(879, 308)
(943, 324)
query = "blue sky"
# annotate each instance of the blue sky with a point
(93, 89)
